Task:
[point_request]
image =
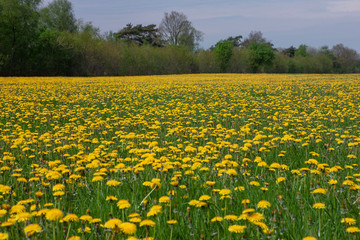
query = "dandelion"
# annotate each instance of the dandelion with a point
(224, 192)
(32, 229)
(164, 199)
(147, 222)
(319, 191)
(128, 228)
(155, 210)
(309, 238)
(74, 238)
(280, 179)
(54, 214)
(263, 204)
(352, 230)
(4, 236)
(113, 183)
(123, 204)
(204, 198)
(319, 206)
(71, 218)
(349, 221)
(217, 219)
(23, 217)
(236, 228)
(113, 224)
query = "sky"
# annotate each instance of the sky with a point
(283, 22)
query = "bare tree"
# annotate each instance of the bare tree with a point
(345, 58)
(255, 36)
(176, 29)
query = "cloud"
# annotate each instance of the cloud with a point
(345, 6)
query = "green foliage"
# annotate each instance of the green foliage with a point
(59, 15)
(52, 42)
(302, 51)
(18, 33)
(140, 34)
(260, 54)
(223, 52)
(54, 56)
(176, 29)
(207, 62)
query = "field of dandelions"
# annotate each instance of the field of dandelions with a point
(204, 156)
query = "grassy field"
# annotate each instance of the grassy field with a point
(180, 157)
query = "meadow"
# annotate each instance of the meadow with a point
(206, 156)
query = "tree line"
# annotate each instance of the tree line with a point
(38, 40)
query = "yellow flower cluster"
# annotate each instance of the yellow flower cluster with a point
(207, 156)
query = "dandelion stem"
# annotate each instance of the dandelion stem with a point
(54, 235)
(68, 232)
(147, 196)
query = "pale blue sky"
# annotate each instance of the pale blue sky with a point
(283, 22)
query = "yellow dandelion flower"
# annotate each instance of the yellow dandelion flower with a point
(349, 221)
(113, 224)
(4, 236)
(164, 199)
(74, 238)
(204, 198)
(352, 230)
(280, 179)
(193, 202)
(128, 228)
(97, 179)
(332, 181)
(84, 230)
(71, 217)
(54, 214)
(2, 212)
(87, 218)
(58, 187)
(309, 238)
(32, 229)
(217, 219)
(135, 219)
(254, 183)
(123, 204)
(17, 209)
(172, 222)
(225, 192)
(319, 191)
(319, 206)
(231, 217)
(240, 188)
(111, 198)
(113, 183)
(210, 183)
(23, 217)
(154, 210)
(255, 217)
(236, 228)
(147, 222)
(263, 204)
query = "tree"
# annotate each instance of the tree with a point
(18, 35)
(59, 15)
(140, 34)
(261, 54)
(236, 41)
(345, 58)
(176, 29)
(223, 52)
(290, 52)
(302, 51)
(257, 37)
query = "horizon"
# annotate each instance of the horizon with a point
(282, 22)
